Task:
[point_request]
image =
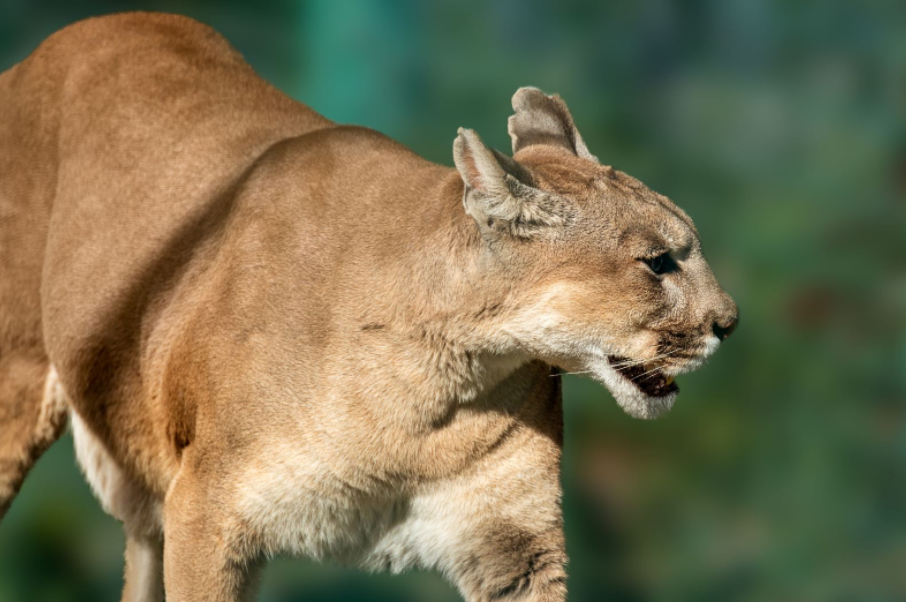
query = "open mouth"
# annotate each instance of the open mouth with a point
(650, 381)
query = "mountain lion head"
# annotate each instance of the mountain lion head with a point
(603, 276)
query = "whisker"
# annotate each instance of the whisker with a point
(568, 373)
(629, 363)
(644, 374)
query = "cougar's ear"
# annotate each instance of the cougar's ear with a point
(499, 193)
(543, 119)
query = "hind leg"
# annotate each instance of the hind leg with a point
(132, 504)
(144, 578)
(32, 416)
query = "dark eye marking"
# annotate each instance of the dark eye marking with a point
(661, 264)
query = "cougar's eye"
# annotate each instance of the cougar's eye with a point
(661, 264)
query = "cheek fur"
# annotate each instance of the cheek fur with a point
(667, 304)
(646, 304)
(679, 328)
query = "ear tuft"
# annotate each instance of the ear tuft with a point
(477, 164)
(499, 192)
(543, 119)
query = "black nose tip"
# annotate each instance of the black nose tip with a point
(722, 331)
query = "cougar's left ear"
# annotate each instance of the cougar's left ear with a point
(499, 193)
(543, 119)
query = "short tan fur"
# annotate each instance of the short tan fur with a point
(279, 335)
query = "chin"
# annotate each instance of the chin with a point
(641, 393)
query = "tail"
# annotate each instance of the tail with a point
(33, 413)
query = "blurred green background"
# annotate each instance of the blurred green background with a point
(779, 127)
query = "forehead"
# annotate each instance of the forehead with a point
(645, 221)
(634, 216)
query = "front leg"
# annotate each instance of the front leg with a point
(495, 531)
(504, 521)
(207, 556)
(508, 562)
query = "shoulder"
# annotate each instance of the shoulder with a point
(130, 25)
(135, 38)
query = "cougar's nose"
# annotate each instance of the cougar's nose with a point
(723, 329)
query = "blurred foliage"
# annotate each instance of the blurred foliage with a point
(779, 127)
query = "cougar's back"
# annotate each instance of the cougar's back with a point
(110, 119)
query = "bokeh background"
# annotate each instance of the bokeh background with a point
(779, 126)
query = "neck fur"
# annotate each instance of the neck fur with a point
(450, 306)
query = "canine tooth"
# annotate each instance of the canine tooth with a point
(669, 380)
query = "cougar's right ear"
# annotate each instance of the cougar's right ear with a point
(499, 193)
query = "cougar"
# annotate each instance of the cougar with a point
(273, 334)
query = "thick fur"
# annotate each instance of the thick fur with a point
(280, 335)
